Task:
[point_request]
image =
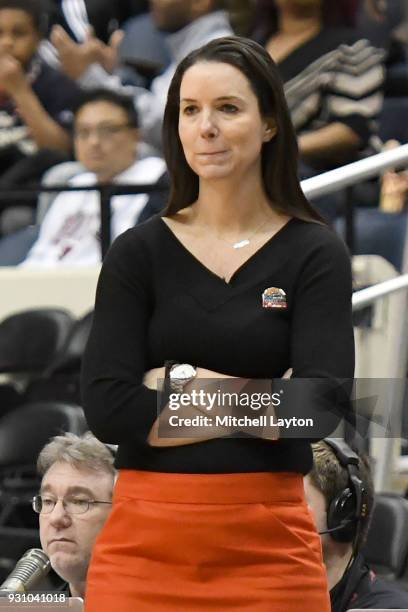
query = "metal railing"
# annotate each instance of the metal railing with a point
(369, 295)
(106, 192)
(396, 368)
(350, 174)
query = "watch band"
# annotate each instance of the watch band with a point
(168, 364)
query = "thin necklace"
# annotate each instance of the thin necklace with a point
(243, 243)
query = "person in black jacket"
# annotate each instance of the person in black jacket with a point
(333, 501)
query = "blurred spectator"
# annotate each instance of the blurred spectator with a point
(106, 139)
(36, 101)
(330, 493)
(382, 20)
(92, 23)
(103, 16)
(187, 24)
(333, 84)
(332, 79)
(73, 503)
(385, 24)
(342, 13)
(143, 53)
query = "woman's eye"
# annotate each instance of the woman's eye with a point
(189, 110)
(229, 108)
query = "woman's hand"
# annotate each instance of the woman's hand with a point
(154, 439)
(152, 376)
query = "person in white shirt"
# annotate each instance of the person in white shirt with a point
(106, 144)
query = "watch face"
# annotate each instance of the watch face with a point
(183, 371)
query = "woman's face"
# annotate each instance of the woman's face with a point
(220, 125)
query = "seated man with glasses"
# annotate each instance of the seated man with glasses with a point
(106, 141)
(73, 503)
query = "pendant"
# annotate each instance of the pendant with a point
(239, 245)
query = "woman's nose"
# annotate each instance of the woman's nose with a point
(208, 127)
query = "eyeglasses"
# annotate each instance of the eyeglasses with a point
(104, 132)
(71, 505)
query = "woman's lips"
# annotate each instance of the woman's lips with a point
(213, 155)
(212, 152)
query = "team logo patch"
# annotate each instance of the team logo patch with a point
(273, 297)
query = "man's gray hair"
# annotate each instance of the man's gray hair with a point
(81, 452)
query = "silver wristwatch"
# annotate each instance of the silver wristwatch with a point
(180, 374)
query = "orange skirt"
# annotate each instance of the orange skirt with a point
(201, 542)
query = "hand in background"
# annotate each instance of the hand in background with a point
(12, 76)
(77, 57)
(110, 52)
(394, 186)
(377, 9)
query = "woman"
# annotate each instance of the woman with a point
(238, 280)
(332, 78)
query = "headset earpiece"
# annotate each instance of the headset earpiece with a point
(348, 510)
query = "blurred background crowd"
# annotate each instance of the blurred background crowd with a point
(344, 65)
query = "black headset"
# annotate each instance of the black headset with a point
(348, 510)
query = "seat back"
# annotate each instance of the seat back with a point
(30, 339)
(378, 233)
(25, 431)
(386, 549)
(61, 380)
(13, 544)
(70, 356)
(393, 120)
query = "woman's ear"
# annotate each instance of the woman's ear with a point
(270, 129)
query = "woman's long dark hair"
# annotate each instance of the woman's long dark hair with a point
(279, 156)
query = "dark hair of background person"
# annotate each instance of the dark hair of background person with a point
(331, 478)
(340, 13)
(279, 155)
(34, 8)
(108, 95)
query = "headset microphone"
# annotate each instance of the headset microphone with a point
(338, 528)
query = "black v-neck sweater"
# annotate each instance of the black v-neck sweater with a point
(156, 302)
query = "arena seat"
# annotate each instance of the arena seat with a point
(29, 340)
(13, 544)
(23, 433)
(386, 549)
(61, 380)
(393, 122)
